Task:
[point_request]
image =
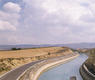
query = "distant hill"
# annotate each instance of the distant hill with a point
(8, 47)
(73, 45)
(81, 45)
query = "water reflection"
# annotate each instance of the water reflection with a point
(65, 71)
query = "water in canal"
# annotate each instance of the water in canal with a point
(65, 71)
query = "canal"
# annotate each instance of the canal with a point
(65, 71)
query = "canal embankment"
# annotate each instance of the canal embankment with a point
(35, 71)
(86, 74)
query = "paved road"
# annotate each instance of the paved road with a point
(13, 75)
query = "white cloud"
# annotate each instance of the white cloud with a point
(9, 21)
(52, 21)
(10, 17)
(4, 25)
(58, 31)
(51, 6)
(12, 7)
(92, 7)
(70, 19)
(72, 9)
(69, 8)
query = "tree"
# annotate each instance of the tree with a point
(13, 49)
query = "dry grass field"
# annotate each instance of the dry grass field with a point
(29, 52)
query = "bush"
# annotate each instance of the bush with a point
(49, 53)
(16, 49)
(4, 67)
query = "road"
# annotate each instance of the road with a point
(14, 74)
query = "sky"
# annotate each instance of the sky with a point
(47, 21)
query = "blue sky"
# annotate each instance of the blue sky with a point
(47, 21)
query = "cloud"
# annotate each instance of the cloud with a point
(9, 21)
(50, 21)
(12, 7)
(59, 31)
(4, 25)
(68, 19)
(11, 17)
(8, 38)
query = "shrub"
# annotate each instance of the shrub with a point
(16, 49)
(49, 53)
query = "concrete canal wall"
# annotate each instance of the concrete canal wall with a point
(86, 74)
(35, 71)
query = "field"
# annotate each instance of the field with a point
(29, 52)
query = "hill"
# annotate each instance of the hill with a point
(73, 45)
